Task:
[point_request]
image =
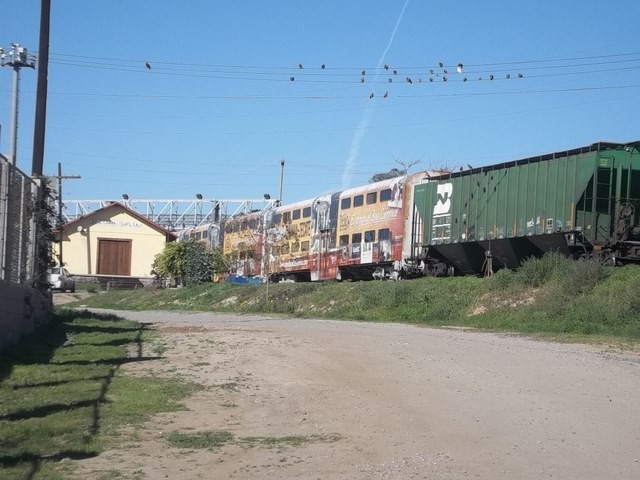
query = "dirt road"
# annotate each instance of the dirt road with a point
(348, 400)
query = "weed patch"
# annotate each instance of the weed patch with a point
(200, 439)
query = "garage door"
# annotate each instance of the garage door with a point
(114, 257)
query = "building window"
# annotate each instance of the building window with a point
(344, 240)
(304, 246)
(295, 247)
(306, 212)
(372, 197)
(284, 248)
(275, 250)
(385, 195)
(296, 214)
(356, 238)
(358, 200)
(384, 234)
(345, 203)
(370, 236)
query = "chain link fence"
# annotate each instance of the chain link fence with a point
(17, 231)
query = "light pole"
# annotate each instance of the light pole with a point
(15, 58)
(281, 181)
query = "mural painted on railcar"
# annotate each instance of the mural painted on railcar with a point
(370, 225)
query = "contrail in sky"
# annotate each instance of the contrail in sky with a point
(354, 150)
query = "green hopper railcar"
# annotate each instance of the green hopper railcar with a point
(580, 202)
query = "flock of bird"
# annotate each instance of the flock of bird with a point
(442, 74)
(434, 75)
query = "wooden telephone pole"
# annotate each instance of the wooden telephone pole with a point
(61, 177)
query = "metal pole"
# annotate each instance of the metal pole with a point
(60, 222)
(281, 181)
(13, 136)
(5, 172)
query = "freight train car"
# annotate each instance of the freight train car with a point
(579, 202)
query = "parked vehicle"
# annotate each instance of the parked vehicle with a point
(60, 279)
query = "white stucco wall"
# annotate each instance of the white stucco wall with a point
(80, 248)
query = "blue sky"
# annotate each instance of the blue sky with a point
(217, 111)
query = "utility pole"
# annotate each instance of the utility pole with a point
(41, 91)
(61, 177)
(15, 58)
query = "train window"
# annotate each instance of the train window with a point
(344, 240)
(228, 228)
(295, 247)
(205, 234)
(385, 195)
(296, 214)
(286, 217)
(358, 200)
(284, 248)
(304, 246)
(372, 197)
(275, 250)
(253, 223)
(356, 238)
(346, 203)
(370, 236)
(384, 234)
(306, 212)
(198, 236)
(277, 218)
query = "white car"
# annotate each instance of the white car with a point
(60, 279)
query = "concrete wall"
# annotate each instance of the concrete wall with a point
(22, 309)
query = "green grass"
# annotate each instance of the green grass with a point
(552, 296)
(199, 440)
(62, 396)
(215, 439)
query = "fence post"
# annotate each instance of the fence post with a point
(4, 214)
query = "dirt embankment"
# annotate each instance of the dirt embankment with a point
(346, 400)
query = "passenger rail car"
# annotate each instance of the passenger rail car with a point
(243, 243)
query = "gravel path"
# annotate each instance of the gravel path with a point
(388, 401)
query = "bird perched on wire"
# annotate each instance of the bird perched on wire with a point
(386, 94)
(292, 78)
(300, 66)
(146, 64)
(386, 67)
(371, 96)
(409, 80)
(322, 66)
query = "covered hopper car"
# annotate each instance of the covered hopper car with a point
(581, 202)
